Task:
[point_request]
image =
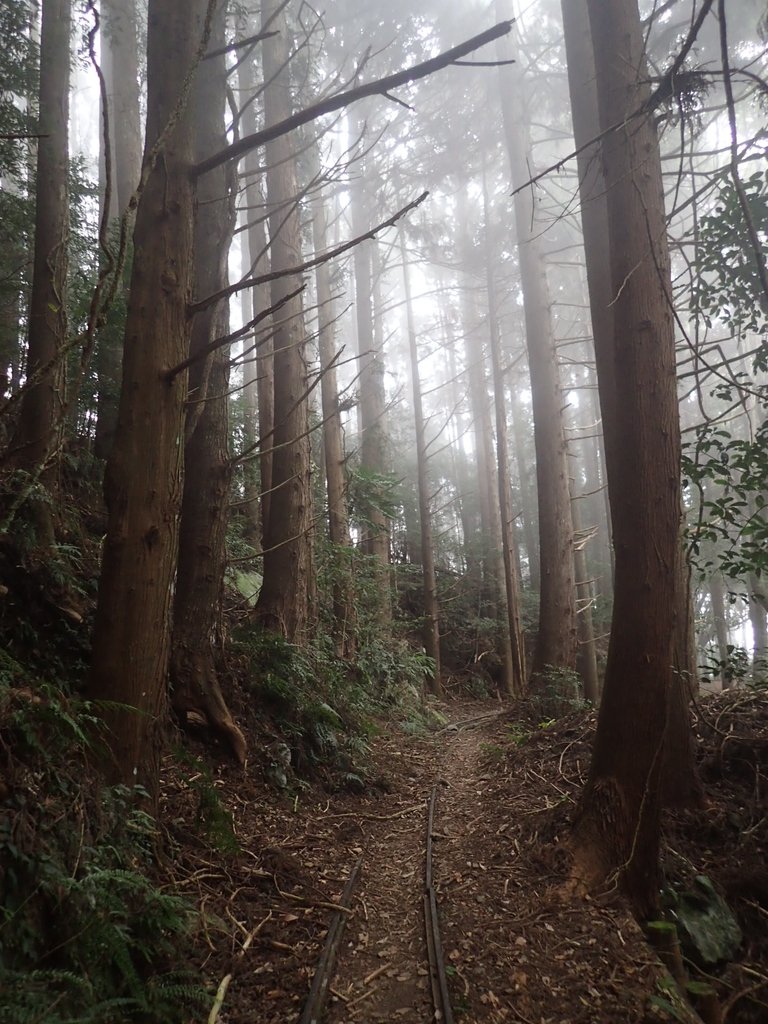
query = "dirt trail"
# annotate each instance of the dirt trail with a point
(515, 948)
(383, 971)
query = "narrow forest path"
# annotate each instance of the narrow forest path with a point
(514, 946)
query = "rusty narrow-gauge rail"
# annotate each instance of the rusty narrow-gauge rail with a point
(440, 997)
(320, 988)
(318, 991)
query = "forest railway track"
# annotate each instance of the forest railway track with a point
(441, 1000)
(432, 945)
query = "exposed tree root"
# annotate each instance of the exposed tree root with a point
(196, 689)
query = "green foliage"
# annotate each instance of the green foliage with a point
(323, 704)
(731, 476)
(213, 817)
(728, 288)
(556, 692)
(18, 74)
(371, 492)
(86, 934)
(519, 734)
(733, 668)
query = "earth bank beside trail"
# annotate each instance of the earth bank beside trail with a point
(517, 948)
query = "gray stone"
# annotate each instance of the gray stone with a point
(709, 933)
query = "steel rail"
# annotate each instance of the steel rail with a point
(441, 1000)
(320, 987)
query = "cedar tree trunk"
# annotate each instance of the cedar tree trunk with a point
(556, 638)
(120, 65)
(258, 370)
(207, 465)
(143, 480)
(372, 404)
(35, 438)
(431, 631)
(487, 482)
(617, 827)
(283, 604)
(333, 443)
(511, 566)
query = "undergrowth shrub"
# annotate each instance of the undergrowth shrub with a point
(86, 933)
(325, 706)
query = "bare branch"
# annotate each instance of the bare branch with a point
(663, 91)
(250, 282)
(377, 88)
(240, 44)
(219, 342)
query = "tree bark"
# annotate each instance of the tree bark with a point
(521, 437)
(757, 619)
(372, 404)
(431, 631)
(258, 371)
(283, 604)
(207, 465)
(143, 482)
(120, 66)
(617, 827)
(555, 646)
(720, 622)
(511, 580)
(35, 439)
(587, 658)
(333, 443)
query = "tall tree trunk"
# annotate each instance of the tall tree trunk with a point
(333, 444)
(283, 604)
(259, 370)
(511, 580)
(143, 481)
(556, 638)
(431, 630)
(207, 465)
(467, 506)
(372, 404)
(35, 438)
(494, 594)
(527, 496)
(616, 832)
(599, 503)
(720, 623)
(120, 66)
(757, 620)
(250, 508)
(587, 658)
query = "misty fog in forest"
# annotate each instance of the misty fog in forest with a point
(357, 363)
